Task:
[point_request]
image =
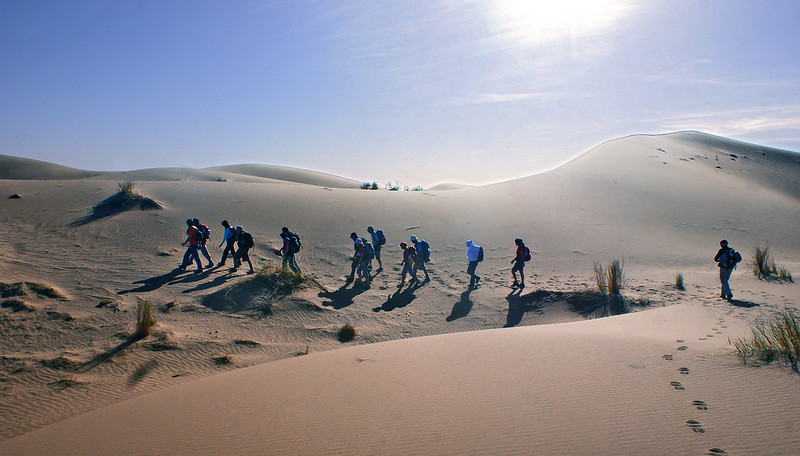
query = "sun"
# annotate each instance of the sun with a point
(536, 22)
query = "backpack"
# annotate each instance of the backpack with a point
(205, 231)
(246, 240)
(370, 252)
(480, 254)
(527, 256)
(425, 250)
(732, 257)
(381, 237)
(294, 243)
(198, 234)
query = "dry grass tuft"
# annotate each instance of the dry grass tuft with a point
(679, 282)
(775, 339)
(144, 319)
(224, 360)
(610, 280)
(346, 333)
(763, 266)
(44, 290)
(126, 188)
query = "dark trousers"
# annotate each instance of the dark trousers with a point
(229, 248)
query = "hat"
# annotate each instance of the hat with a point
(413, 238)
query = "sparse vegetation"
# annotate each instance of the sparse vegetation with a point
(679, 282)
(417, 188)
(10, 290)
(144, 319)
(775, 339)
(763, 266)
(126, 188)
(257, 293)
(610, 280)
(368, 186)
(223, 360)
(607, 299)
(123, 200)
(393, 187)
(44, 290)
(346, 333)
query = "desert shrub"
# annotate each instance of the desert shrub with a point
(144, 319)
(126, 188)
(346, 333)
(417, 188)
(679, 282)
(365, 186)
(775, 338)
(223, 360)
(763, 266)
(256, 293)
(610, 280)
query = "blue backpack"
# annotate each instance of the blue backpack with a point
(425, 250)
(381, 237)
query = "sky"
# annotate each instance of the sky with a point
(418, 91)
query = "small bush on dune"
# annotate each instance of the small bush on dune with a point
(144, 319)
(126, 188)
(776, 338)
(346, 333)
(679, 282)
(44, 290)
(610, 280)
(763, 266)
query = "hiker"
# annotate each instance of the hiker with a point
(423, 250)
(354, 262)
(523, 255)
(474, 255)
(193, 238)
(245, 243)
(291, 245)
(378, 239)
(229, 239)
(362, 258)
(726, 259)
(206, 232)
(409, 255)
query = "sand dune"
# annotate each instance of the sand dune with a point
(565, 386)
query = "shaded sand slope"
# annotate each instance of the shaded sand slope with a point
(618, 200)
(290, 174)
(25, 168)
(649, 383)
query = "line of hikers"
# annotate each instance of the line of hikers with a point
(239, 242)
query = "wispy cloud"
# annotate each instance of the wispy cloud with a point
(496, 98)
(736, 122)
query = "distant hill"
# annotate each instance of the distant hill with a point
(300, 176)
(29, 169)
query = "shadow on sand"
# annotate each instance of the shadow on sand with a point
(400, 298)
(218, 281)
(98, 359)
(462, 307)
(343, 297)
(153, 283)
(745, 304)
(518, 304)
(118, 203)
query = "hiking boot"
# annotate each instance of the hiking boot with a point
(515, 284)
(521, 286)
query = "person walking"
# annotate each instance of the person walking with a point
(288, 250)
(354, 260)
(422, 249)
(229, 239)
(362, 259)
(409, 255)
(523, 255)
(193, 238)
(244, 240)
(378, 239)
(474, 256)
(726, 259)
(206, 234)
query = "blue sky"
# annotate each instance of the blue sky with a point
(417, 91)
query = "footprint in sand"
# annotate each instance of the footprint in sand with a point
(682, 348)
(716, 452)
(700, 405)
(695, 426)
(684, 370)
(677, 386)
(667, 357)
(679, 341)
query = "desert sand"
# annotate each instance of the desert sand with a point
(434, 369)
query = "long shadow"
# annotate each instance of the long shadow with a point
(462, 307)
(400, 298)
(519, 304)
(97, 359)
(153, 283)
(343, 297)
(193, 277)
(745, 304)
(220, 280)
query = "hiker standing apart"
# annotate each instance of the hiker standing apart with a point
(206, 232)
(523, 255)
(290, 247)
(193, 239)
(354, 261)
(422, 250)
(726, 259)
(409, 254)
(378, 239)
(245, 243)
(474, 255)
(229, 239)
